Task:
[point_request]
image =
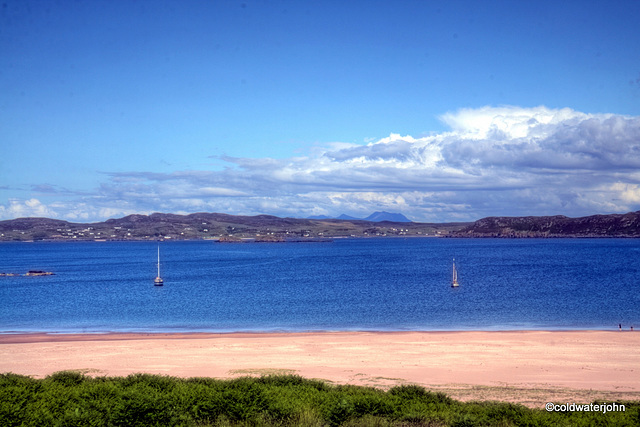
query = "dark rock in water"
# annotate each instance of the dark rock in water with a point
(39, 273)
(29, 273)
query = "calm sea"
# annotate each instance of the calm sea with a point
(367, 284)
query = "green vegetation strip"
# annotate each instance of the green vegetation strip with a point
(72, 399)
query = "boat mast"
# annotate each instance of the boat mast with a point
(453, 279)
(454, 275)
(158, 280)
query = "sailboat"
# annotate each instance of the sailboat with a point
(454, 279)
(158, 280)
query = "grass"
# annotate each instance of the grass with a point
(71, 398)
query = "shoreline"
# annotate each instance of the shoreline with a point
(47, 336)
(161, 331)
(331, 239)
(529, 367)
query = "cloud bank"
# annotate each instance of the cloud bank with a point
(493, 161)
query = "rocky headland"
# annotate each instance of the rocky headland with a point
(613, 225)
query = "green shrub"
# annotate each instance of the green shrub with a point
(415, 392)
(72, 399)
(142, 409)
(156, 382)
(338, 410)
(17, 393)
(67, 378)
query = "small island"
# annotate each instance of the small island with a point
(28, 273)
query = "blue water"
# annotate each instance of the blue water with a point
(367, 284)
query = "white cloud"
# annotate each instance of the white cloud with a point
(493, 161)
(26, 208)
(628, 193)
(509, 121)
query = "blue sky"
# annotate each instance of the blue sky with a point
(444, 111)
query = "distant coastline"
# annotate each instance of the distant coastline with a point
(272, 229)
(216, 227)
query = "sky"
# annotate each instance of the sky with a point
(441, 110)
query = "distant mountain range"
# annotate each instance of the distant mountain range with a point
(267, 228)
(374, 217)
(215, 226)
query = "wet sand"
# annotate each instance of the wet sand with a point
(529, 367)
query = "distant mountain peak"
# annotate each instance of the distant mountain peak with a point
(348, 218)
(374, 217)
(387, 216)
(319, 217)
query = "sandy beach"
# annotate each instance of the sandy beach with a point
(529, 367)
